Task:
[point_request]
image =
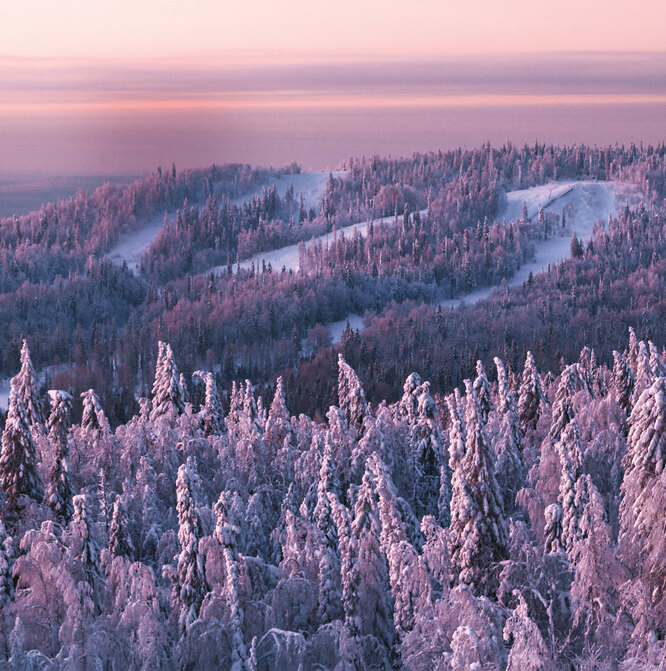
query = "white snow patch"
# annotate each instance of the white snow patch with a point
(132, 246)
(336, 328)
(591, 202)
(311, 184)
(288, 256)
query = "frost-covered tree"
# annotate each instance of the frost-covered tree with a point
(478, 539)
(408, 578)
(644, 374)
(528, 650)
(427, 446)
(93, 417)
(188, 577)
(82, 541)
(6, 582)
(531, 396)
(168, 395)
(457, 430)
(623, 381)
(28, 388)
(509, 442)
(120, 540)
(226, 534)
(644, 487)
(552, 532)
(571, 382)
(407, 407)
(59, 490)
(593, 592)
(278, 424)
(18, 458)
(212, 414)
(351, 397)
(482, 388)
(571, 461)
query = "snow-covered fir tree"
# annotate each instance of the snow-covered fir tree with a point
(59, 490)
(168, 395)
(478, 539)
(120, 541)
(212, 414)
(531, 396)
(351, 397)
(28, 388)
(93, 417)
(623, 381)
(482, 388)
(18, 458)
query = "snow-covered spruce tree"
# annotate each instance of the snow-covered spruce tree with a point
(82, 542)
(407, 407)
(226, 534)
(656, 364)
(623, 381)
(531, 396)
(509, 442)
(278, 424)
(644, 374)
(457, 431)
(59, 490)
(593, 591)
(427, 446)
(28, 389)
(168, 395)
(18, 458)
(188, 576)
(329, 562)
(372, 607)
(120, 541)
(528, 651)
(351, 397)
(212, 414)
(571, 461)
(482, 388)
(571, 381)
(408, 576)
(478, 535)
(644, 488)
(93, 417)
(552, 532)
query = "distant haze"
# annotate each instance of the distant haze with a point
(72, 118)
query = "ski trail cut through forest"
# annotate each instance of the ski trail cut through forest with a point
(132, 246)
(584, 203)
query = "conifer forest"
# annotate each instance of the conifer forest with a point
(250, 428)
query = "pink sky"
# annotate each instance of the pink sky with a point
(210, 31)
(121, 85)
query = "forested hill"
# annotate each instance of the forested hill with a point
(93, 323)
(511, 525)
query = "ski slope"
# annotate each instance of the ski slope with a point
(590, 202)
(312, 185)
(287, 257)
(132, 246)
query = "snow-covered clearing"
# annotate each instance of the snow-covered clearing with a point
(288, 256)
(132, 246)
(590, 202)
(311, 184)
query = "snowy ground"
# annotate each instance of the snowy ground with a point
(311, 184)
(591, 202)
(288, 256)
(132, 246)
